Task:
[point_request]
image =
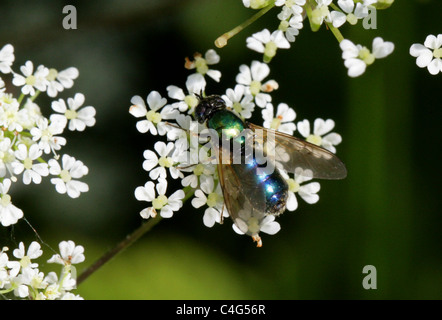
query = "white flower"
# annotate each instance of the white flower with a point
(202, 64)
(214, 201)
(30, 80)
(283, 121)
(46, 135)
(429, 55)
(256, 4)
(252, 79)
(320, 129)
(185, 126)
(266, 43)
(153, 122)
(198, 171)
(9, 214)
(33, 278)
(321, 12)
(308, 192)
(169, 157)
(78, 119)
(19, 286)
(357, 58)
(56, 288)
(167, 205)
(70, 296)
(252, 224)
(187, 102)
(30, 114)
(69, 254)
(6, 58)
(32, 171)
(11, 117)
(239, 101)
(289, 3)
(34, 251)
(71, 169)
(7, 157)
(290, 7)
(291, 27)
(58, 81)
(339, 18)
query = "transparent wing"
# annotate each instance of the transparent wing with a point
(293, 153)
(243, 197)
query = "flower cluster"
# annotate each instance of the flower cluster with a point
(23, 279)
(29, 141)
(188, 159)
(291, 20)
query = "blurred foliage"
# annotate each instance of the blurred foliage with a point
(386, 213)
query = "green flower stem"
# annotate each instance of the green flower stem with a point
(308, 10)
(128, 241)
(338, 35)
(221, 41)
(19, 100)
(5, 291)
(35, 95)
(335, 7)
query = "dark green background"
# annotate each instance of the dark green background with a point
(386, 213)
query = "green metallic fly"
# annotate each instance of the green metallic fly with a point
(253, 188)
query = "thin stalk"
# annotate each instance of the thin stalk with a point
(338, 35)
(129, 240)
(221, 41)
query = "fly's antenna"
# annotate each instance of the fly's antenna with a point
(200, 95)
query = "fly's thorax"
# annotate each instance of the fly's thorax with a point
(227, 124)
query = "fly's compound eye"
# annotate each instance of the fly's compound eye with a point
(200, 112)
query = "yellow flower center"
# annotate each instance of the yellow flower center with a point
(351, 18)
(153, 116)
(437, 53)
(27, 163)
(293, 185)
(25, 262)
(70, 114)
(237, 107)
(276, 122)
(284, 25)
(5, 200)
(255, 87)
(191, 101)
(65, 176)
(52, 74)
(159, 202)
(198, 170)
(212, 199)
(30, 80)
(253, 224)
(366, 56)
(201, 65)
(165, 162)
(314, 139)
(270, 49)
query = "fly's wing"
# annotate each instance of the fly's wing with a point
(294, 153)
(243, 197)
